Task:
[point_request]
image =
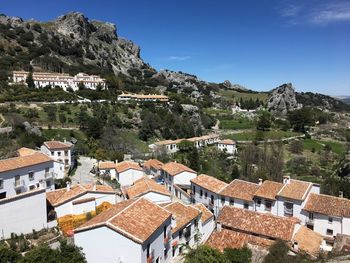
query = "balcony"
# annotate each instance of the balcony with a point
(19, 184)
(288, 212)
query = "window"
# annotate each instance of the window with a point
(246, 205)
(194, 189)
(206, 195)
(66, 153)
(48, 184)
(17, 180)
(18, 191)
(329, 232)
(32, 187)
(180, 249)
(258, 202)
(288, 209)
(52, 153)
(232, 201)
(148, 250)
(196, 223)
(3, 195)
(223, 200)
(47, 170)
(201, 193)
(31, 176)
(174, 251)
(268, 205)
(164, 232)
(1, 183)
(311, 216)
(212, 199)
(330, 220)
(180, 233)
(66, 162)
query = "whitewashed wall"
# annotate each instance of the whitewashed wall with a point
(157, 197)
(206, 229)
(23, 214)
(206, 201)
(262, 207)
(128, 177)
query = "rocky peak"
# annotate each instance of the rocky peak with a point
(74, 23)
(282, 99)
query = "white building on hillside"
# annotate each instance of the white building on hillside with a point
(143, 97)
(107, 169)
(153, 167)
(207, 222)
(205, 190)
(150, 190)
(64, 81)
(265, 197)
(327, 215)
(227, 146)
(128, 172)
(25, 173)
(79, 199)
(135, 230)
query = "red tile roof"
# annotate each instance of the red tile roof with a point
(227, 141)
(231, 239)
(328, 205)
(269, 190)
(153, 163)
(136, 219)
(174, 168)
(25, 151)
(206, 214)
(61, 196)
(184, 214)
(308, 241)
(240, 189)
(257, 223)
(126, 165)
(145, 185)
(23, 161)
(209, 182)
(106, 165)
(295, 189)
(57, 145)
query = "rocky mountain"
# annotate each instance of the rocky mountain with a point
(321, 101)
(282, 99)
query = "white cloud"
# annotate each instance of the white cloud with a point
(333, 12)
(179, 58)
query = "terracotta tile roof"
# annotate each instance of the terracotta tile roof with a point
(136, 219)
(240, 189)
(174, 168)
(227, 141)
(308, 241)
(106, 165)
(57, 145)
(184, 214)
(25, 151)
(231, 239)
(126, 165)
(209, 182)
(295, 189)
(269, 190)
(153, 163)
(328, 205)
(23, 161)
(61, 196)
(206, 214)
(145, 185)
(257, 223)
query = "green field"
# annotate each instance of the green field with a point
(216, 112)
(235, 96)
(318, 145)
(236, 124)
(60, 134)
(251, 135)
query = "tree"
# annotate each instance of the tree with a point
(264, 121)
(296, 147)
(235, 255)
(81, 86)
(30, 80)
(235, 172)
(7, 255)
(205, 254)
(278, 253)
(193, 159)
(299, 119)
(62, 118)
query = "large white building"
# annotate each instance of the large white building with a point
(135, 230)
(64, 81)
(143, 97)
(227, 146)
(128, 172)
(79, 199)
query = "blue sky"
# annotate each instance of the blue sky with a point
(258, 44)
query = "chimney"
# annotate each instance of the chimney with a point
(116, 161)
(94, 187)
(260, 181)
(296, 246)
(286, 179)
(218, 227)
(341, 194)
(68, 186)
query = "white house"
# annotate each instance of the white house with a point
(25, 173)
(153, 167)
(22, 213)
(135, 230)
(62, 80)
(238, 194)
(227, 146)
(265, 197)
(150, 190)
(79, 199)
(174, 173)
(292, 197)
(184, 226)
(143, 97)
(327, 215)
(207, 222)
(107, 169)
(128, 172)
(205, 190)
(60, 152)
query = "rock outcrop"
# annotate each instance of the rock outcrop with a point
(282, 99)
